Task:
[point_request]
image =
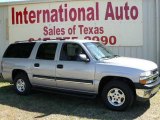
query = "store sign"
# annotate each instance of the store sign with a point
(114, 23)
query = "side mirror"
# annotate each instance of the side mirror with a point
(83, 57)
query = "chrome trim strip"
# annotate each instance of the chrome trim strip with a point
(64, 79)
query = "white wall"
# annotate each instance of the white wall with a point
(3, 29)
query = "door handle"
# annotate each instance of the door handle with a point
(60, 66)
(36, 65)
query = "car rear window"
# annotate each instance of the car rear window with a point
(19, 50)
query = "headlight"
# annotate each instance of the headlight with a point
(146, 74)
(144, 78)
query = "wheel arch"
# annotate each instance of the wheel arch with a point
(15, 72)
(108, 79)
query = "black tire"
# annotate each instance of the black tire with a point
(112, 100)
(24, 89)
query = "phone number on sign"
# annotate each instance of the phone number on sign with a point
(112, 40)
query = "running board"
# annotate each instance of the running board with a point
(66, 92)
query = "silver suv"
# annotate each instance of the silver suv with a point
(80, 67)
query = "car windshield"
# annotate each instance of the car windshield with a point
(99, 51)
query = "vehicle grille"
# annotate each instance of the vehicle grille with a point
(155, 75)
(155, 71)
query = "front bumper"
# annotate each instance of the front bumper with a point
(148, 91)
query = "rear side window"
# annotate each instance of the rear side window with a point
(47, 51)
(19, 50)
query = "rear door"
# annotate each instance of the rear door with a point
(44, 65)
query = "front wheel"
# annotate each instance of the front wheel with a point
(117, 95)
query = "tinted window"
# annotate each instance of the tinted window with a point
(19, 50)
(47, 51)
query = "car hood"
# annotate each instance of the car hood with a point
(140, 64)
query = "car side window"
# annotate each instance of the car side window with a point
(19, 50)
(47, 51)
(71, 51)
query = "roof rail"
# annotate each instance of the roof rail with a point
(45, 39)
(22, 41)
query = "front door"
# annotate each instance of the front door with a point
(71, 72)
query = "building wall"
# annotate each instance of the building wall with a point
(158, 34)
(149, 50)
(3, 29)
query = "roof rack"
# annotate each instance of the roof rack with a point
(32, 40)
(22, 41)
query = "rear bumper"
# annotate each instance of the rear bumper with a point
(147, 92)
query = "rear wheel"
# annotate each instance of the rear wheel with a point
(22, 84)
(117, 95)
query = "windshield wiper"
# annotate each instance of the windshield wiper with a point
(116, 56)
(108, 57)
